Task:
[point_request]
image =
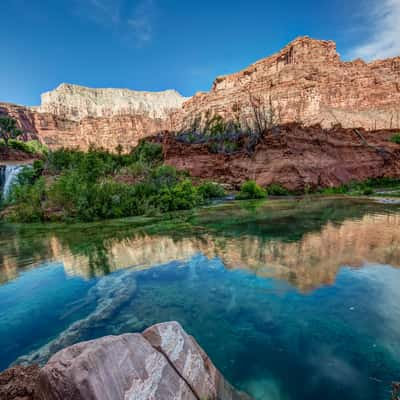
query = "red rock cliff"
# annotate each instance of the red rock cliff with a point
(307, 82)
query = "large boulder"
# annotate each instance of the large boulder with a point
(163, 363)
(191, 362)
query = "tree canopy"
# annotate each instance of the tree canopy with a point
(9, 129)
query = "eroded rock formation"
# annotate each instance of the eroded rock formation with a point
(75, 102)
(162, 363)
(294, 156)
(305, 82)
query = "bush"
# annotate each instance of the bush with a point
(150, 153)
(368, 191)
(182, 196)
(250, 190)
(211, 190)
(275, 189)
(395, 138)
(28, 200)
(165, 175)
(83, 187)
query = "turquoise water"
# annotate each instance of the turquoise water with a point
(291, 299)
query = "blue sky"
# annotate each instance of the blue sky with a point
(161, 44)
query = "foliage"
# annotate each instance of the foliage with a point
(251, 190)
(150, 153)
(27, 200)
(9, 129)
(30, 147)
(182, 196)
(275, 189)
(395, 138)
(74, 185)
(211, 190)
(365, 187)
(29, 174)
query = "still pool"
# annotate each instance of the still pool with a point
(294, 299)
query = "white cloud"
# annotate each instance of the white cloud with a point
(131, 19)
(384, 40)
(141, 21)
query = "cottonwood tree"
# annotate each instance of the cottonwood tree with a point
(9, 129)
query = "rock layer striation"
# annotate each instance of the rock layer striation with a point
(305, 82)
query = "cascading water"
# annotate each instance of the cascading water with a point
(9, 174)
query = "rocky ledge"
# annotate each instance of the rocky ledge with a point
(162, 363)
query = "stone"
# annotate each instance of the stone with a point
(75, 102)
(111, 368)
(306, 82)
(191, 362)
(299, 157)
(19, 383)
(163, 363)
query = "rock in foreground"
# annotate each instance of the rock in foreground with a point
(163, 363)
(19, 383)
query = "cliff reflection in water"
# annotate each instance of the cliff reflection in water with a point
(307, 263)
(284, 240)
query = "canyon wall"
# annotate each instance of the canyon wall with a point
(60, 130)
(306, 82)
(294, 156)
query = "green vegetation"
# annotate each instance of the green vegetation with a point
(395, 138)
(8, 129)
(9, 134)
(211, 190)
(363, 188)
(74, 185)
(250, 190)
(30, 147)
(275, 189)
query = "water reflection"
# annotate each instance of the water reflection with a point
(308, 262)
(325, 326)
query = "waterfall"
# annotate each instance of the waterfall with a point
(8, 175)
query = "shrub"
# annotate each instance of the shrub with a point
(395, 138)
(275, 189)
(150, 153)
(165, 175)
(211, 190)
(250, 190)
(368, 191)
(182, 196)
(28, 200)
(83, 188)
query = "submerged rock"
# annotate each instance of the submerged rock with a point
(163, 363)
(19, 383)
(109, 293)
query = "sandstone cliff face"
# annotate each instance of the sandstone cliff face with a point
(57, 131)
(75, 102)
(75, 116)
(296, 157)
(306, 82)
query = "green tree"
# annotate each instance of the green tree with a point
(9, 129)
(250, 190)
